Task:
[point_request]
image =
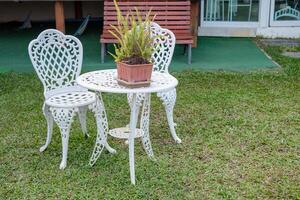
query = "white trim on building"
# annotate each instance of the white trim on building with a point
(266, 26)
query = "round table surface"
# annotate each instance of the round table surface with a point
(106, 81)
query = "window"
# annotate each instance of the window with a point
(231, 10)
(285, 13)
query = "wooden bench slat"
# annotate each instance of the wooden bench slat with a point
(174, 15)
(176, 32)
(113, 41)
(160, 13)
(163, 23)
(157, 17)
(106, 34)
(150, 3)
(172, 28)
(141, 8)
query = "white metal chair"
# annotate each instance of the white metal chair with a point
(57, 59)
(162, 57)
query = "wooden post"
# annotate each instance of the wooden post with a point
(78, 9)
(195, 20)
(60, 16)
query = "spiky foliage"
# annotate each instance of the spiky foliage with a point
(133, 34)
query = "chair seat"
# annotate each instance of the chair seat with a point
(71, 99)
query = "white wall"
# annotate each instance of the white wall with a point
(44, 10)
(279, 32)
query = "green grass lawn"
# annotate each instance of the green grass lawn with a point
(240, 132)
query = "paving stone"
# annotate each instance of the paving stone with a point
(281, 42)
(292, 54)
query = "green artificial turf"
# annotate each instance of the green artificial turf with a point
(229, 54)
(240, 133)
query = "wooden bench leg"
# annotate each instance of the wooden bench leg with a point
(106, 49)
(102, 52)
(189, 54)
(184, 49)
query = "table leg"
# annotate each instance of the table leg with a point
(104, 123)
(102, 130)
(144, 124)
(133, 122)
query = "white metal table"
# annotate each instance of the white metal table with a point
(105, 81)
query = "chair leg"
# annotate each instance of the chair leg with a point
(49, 120)
(169, 100)
(189, 54)
(82, 119)
(63, 118)
(102, 52)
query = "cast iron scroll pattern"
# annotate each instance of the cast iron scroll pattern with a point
(57, 59)
(102, 129)
(164, 43)
(144, 124)
(63, 118)
(169, 100)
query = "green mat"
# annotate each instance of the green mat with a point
(212, 53)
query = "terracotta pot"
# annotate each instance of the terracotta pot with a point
(134, 74)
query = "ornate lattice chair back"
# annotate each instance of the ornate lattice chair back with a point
(57, 59)
(165, 43)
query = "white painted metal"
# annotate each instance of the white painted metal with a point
(106, 81)
(165, 45)
(162, 57)
(102, 130)
(144, 124)
(57, 59)
(169, 100)
(133, 122)
(123, 133)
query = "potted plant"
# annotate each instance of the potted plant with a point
(134, 50)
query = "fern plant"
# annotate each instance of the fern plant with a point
(134, 36)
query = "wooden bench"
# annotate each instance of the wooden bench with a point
(174, 15)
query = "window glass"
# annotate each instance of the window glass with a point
(231, 10)
(286, 10)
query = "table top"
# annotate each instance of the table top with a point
(106, 81)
